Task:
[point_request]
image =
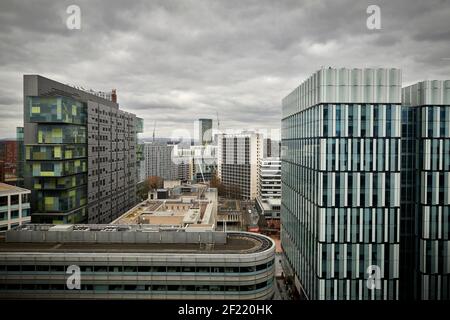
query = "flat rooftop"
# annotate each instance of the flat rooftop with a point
(6, 189)
(128, 239)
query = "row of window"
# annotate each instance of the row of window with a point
(14, 199)
(137, 287)
(15, 214)
(138, 269)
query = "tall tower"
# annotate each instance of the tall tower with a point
(205, 131)
(238, 160)
(80, 153)
(340, 209)
(425, 268)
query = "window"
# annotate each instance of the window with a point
(100, 268)
(42, 268)
(14, 199)
(129, 269)
(15, 214)
(3, 201)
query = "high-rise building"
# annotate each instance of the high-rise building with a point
(269, 171)
(271, 148)
(268, 202)
(205, 131)
(14, 206)
(425, 246)
(80, 153)
(340, 209)
(238, 159)
(158, 158)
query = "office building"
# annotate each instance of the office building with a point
(340, 209)
(268, 202)
(425, 263)
(131, 262)
(80, 153)
(14, 206)
(159, 162)
(205, 131)
(271, 148)
(269, 171)
(238, 160)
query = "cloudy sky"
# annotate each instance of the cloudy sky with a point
(176, 61)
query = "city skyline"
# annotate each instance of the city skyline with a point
(176, 62)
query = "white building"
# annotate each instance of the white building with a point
(238, 159)
(158, 161)
(14, 206)
(270, 178)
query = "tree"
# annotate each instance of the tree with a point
(149, 184)
(216, 183)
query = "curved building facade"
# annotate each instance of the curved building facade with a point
(128, 262)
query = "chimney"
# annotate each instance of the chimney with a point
(114, 96)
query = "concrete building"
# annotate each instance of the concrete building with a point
(158, 160)
(80, 153)
(271, 148)
(340, 210)
(230, 215)
(133, 262)
(9, 160)
(238, 160)
(185, 206)
(425, 196)
(269, 172)
(270, 209)
(14, 206)
(205, 131)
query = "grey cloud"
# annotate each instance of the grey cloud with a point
(175, 61)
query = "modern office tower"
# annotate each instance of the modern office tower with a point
(238, 159)
(159, 160)
(340, 210)
(205, 131)
(80, 153)
(425, 190)
(269, 172)
(271, 148)
(135, 262)
(14, 206)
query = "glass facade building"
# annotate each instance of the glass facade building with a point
(340, 211)
(80, 154)
(426, 196)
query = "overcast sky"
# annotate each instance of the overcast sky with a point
(176, 61)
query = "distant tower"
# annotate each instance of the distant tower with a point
(205, 131)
